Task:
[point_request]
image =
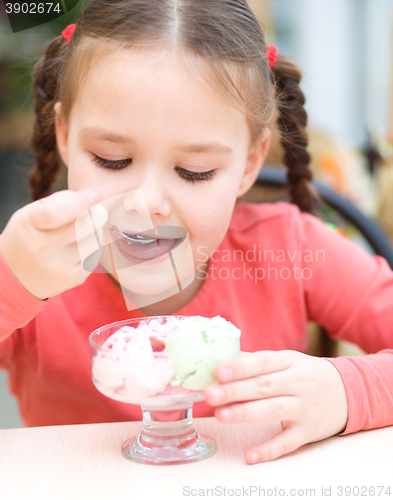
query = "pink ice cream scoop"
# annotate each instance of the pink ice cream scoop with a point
(130, 364)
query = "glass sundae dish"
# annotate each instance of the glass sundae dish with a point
(163, 363)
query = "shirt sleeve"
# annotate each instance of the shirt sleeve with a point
(350, 294)
(17, 307)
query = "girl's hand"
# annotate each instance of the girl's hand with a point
(39, 242)
(304, 392)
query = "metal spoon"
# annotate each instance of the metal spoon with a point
(132, 238)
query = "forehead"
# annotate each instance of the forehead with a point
(138, 91)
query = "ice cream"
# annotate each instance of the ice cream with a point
(171, 358)
(196, 345)
(126, 365)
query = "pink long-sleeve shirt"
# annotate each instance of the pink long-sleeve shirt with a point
(275, 269)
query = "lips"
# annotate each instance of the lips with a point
(139, 252)
(142, 252)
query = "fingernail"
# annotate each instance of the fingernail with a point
(254, 458)
(226, 414)
(93, 196)
(99, 214)
(226, 374)
(217, 394)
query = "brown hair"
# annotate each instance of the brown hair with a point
(226, 37)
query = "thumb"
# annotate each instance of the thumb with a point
(60, 208)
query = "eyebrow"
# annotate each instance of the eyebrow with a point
(107, 135)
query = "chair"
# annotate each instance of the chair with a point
(341, 211)
(370, 230)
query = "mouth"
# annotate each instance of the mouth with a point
(146, 246)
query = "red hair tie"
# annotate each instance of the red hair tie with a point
(68, 32)
(271, 52)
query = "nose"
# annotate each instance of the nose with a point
(150, 199)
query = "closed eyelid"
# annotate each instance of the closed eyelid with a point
(190, 176)
(111, 164)
(187, 175)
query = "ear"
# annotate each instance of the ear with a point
(255, 160)
(61, 133)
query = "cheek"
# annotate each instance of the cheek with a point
(83, 174)
(208, 230)
(77, 181)
(209, 220)
(80, 174)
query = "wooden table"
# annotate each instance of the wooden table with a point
(84, 462)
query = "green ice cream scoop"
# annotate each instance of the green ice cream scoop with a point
(196, 345)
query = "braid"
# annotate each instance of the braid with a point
(292, 123)
(47, 165)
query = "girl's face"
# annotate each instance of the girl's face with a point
(141, 120)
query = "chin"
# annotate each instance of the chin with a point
(146, 284)
(145, 291)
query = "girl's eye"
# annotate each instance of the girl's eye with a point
(185, 174)
(195, 176)
(111, 164)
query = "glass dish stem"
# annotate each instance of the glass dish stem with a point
(168, 437)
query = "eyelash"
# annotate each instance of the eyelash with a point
(195, 176)
(111, 164)
(187, 175)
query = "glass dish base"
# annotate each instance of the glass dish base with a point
(168, 437)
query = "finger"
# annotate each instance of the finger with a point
(281, 444)
(253, 364)
(74, 258)
(263, 410)
(90, 251)
(260, 387)
(60, 209)
(83, 232)
(90, 221)
(70, 266)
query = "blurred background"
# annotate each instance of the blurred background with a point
(344, 48)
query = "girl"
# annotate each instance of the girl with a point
(176, 97)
